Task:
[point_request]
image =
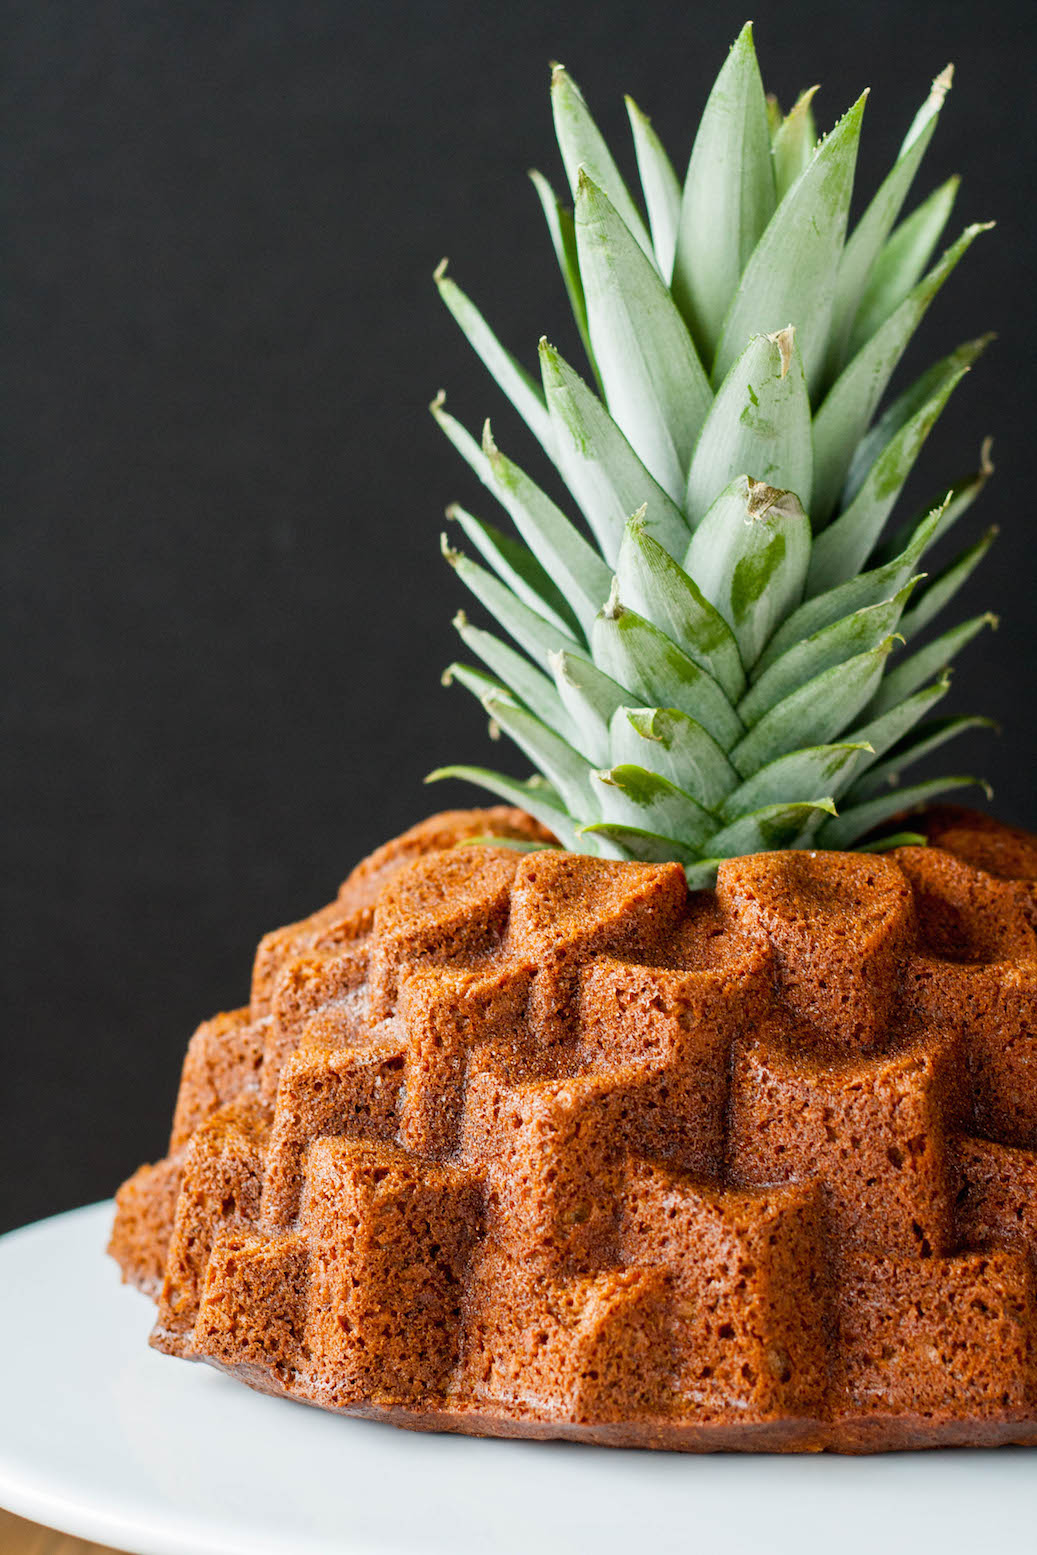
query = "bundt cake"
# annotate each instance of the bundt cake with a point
(527, 1143)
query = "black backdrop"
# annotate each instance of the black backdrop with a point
(227, 614)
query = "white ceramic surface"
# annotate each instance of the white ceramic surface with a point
(102, 1437)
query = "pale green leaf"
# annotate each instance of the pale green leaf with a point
(813, 771)
(728, 198)
(644, 846)
(958, 501)
(869, 588)
(900, 839)
(920, 667)
(521, 389)
(842, 831)
(579, 571)
(462, 439)
(590, 698)
(677, 747)
(520, 570)
(654, 585)
(892, 726)
(475, 680)
(759, 426)
(538, 800)
(749, 557)
(791, 276)
(842, 549)
(633, 796)
(583, 148)
(815, 714)
(773, 826)
(901, 263)
(794, 142)
(539, 637)
(600, 468)
(844, 639)
(703, 875)
(661, 187)
(869, 235)
(852, 401)
(636, 654)
(926, 738)
(562, 229)
(903, 408)
(515, 671)
(565, 769)
(655, 388)
(941, 589)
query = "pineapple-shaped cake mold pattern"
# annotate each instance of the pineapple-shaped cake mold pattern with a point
(639, 1113)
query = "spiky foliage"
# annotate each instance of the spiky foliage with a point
(723, 656)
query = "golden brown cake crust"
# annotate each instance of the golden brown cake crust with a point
(523, 1143)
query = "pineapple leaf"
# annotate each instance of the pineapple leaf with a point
(636, 654)
(814, 714)
(539, 637)
(597, 463)
(557, 545)
(940, 590)
(633, 796)
(772, 826)
(519, 570)
(516, 672)
(850, 404)
(886, 730)
(536, 798)
(793, 143)
(522, 390)
(925, 739)
(759, 426)
(728, 197)
(655, 388)
(873, 229)
(749, 557)
(810, 771)
(913, 672)
(565, 769)
(832, 645)
(958, 501)
(842, 549)
(868, 588)
(661, 187)
(660, 590)
(843, 830)
(903, 408)
(676, 747)
(583, 148)
(461, 438)
(792, 271)
(590, 699)
(900, 265)
(562, 229)
(645, 846)
(900, 839)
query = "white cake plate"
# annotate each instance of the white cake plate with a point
(103, 1438)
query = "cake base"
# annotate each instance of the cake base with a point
(530, 1144)
(856, 1436)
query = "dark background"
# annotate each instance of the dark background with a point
(226, 611)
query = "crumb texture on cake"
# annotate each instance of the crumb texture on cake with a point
(528, 1143)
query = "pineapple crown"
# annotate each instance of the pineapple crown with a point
(721, 657)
